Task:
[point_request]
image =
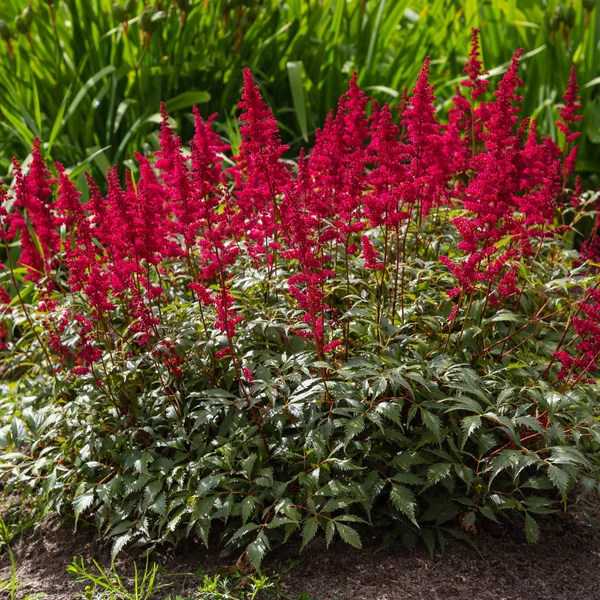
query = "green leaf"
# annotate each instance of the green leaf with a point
(469, 425)
(353, 427)
(348, 534)
(431, 421)
(504, 316)
(248, 465)
(502, 461)
(488, 513)
(329, 533)
(248, 507)
(257, 550)
(243, 530)
(186, 99)
(559, 478)
(404, 500)
(119, 544)
(159, 506)
(429, 540)
(82, 502)
(207, 484)
(309, 531)
(294, 70)
(437, 472)
(532, 531)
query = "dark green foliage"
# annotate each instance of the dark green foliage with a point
(392, 436)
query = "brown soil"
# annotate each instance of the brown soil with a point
(564, 565)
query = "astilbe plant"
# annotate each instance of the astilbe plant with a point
(389, 332)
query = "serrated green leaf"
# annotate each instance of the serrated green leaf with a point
(329, 533)
(82, 502)
(559, 478)
(488, 513)
(431, 421)
(247, 507)
(469, 425)
(257, 550)
(159, 506)
(309, 531)
(404, 501)
(437, 472)
(119, 544)
(532, 531)
(348, 534)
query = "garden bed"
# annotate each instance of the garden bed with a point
(564, 564)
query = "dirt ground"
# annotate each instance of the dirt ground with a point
(564, 565)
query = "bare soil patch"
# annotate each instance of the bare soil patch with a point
(564, 565)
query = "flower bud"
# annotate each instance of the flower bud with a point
(147, 24)
(570, 17)
(589, 5)
(119, 13)
(185, 5)
(5, 32)
(27, 15)
(130, 6)
(20, 24)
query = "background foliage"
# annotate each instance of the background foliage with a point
(90, 85)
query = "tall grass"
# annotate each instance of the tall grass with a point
(90, 86)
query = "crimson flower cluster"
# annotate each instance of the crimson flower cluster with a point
(376, 188)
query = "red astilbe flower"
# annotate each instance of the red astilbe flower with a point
(490, 193)
(586, 324)
(7, 232)
(458, 133)
(97, 210)
(33, 197)
(331, 346)
(207, 147)
(259, 173)
(5, 298)
(307, 290)
(541, 181)
(427, 170)
(370, 254)
(83, 264)
(505, 110)
(351, 121)
(306, 287)
(383, 202)
(569, 109)
(419, 116)
(86, 354)
(568, 119)
(464, 118)
(199, 208)
(474, 69)
(153, 228)
(228, 317)
(144, 324)
(124, 228)
(177, 195)
(512, 193)
(336, 163)
(167, 157)
(55, 323)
